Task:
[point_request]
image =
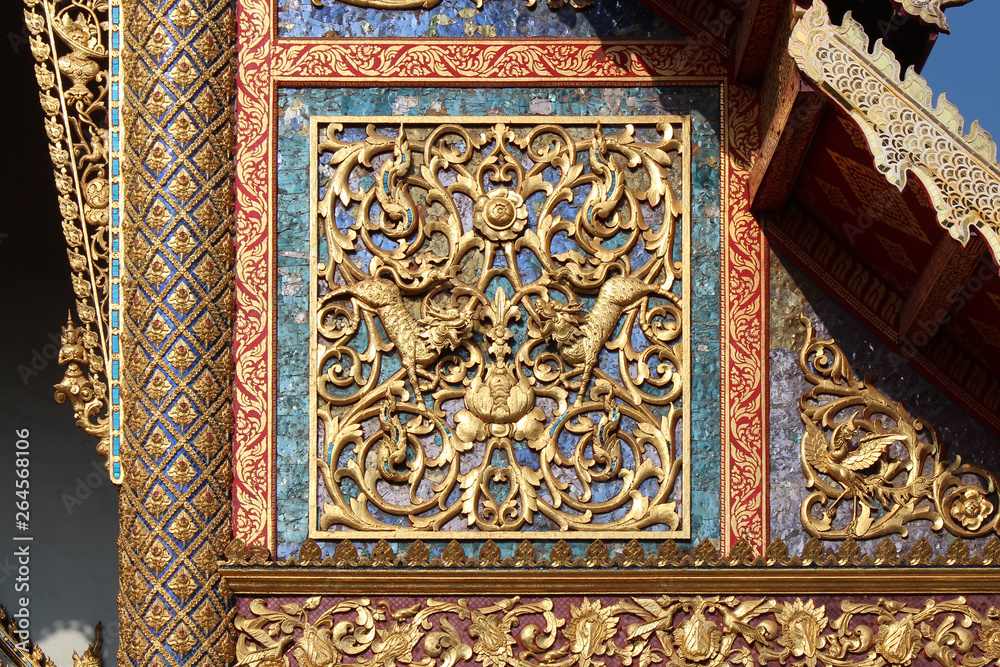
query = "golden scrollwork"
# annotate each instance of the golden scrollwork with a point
(904, 130)
(865, 452)
(498, 337)
(68, 41)
(676, 631)
(430, 4)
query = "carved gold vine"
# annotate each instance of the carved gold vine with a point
(430, 4)
(873, 468)
(641, 631)
(67, 39)
(510, 268)
(904, 131)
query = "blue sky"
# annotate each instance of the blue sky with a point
(966, 63)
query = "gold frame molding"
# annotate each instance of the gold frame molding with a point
(682, 135)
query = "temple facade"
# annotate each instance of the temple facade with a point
(530, 332)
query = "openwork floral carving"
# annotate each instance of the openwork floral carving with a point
(68, 41)
(498, 340)
(677, 632)
(873, 468)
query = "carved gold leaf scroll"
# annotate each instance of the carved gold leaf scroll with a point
(499, 326)
(67, 39)
(873, 468)
(676, 631)
(904, 131)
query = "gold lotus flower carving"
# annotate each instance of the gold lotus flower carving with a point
(672, 631)
(499, 325)
(500, 214)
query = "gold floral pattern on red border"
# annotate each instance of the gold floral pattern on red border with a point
(644, 630)
(265, 63)
(744, 267)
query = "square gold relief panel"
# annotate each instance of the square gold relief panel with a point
(500, 317)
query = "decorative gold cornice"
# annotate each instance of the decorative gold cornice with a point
(632, 556)
(904, 130)
(931, 11)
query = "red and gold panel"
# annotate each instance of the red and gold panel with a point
(268, 62)
(643, 629)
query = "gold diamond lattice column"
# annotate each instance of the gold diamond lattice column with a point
(178, 314)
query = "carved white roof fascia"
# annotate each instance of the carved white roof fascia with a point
(930, 11)
(903, 128)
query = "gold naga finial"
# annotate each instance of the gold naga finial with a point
(861, 446)
(84, 390)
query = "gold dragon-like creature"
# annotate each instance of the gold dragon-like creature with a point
(420, 341)
(580, 339)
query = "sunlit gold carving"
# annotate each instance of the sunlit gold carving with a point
(526, 280)
(931, 11)
(864, 451)
(83, 389)
(904, 131)
(67, 39)
(678, 631)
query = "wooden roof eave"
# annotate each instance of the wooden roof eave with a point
(904, 131)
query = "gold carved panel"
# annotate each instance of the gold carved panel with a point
(499, 326)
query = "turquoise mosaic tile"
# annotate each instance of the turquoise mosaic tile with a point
(622, 19)
(295, 108)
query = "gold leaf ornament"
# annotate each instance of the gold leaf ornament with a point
(462, 266)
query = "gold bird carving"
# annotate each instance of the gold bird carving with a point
(843, 464)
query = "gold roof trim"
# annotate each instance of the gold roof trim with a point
(931, 11)
(903, 128)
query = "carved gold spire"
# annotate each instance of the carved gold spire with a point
(903, 128)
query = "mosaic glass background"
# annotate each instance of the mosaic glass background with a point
(295, 108)
(621, 19)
